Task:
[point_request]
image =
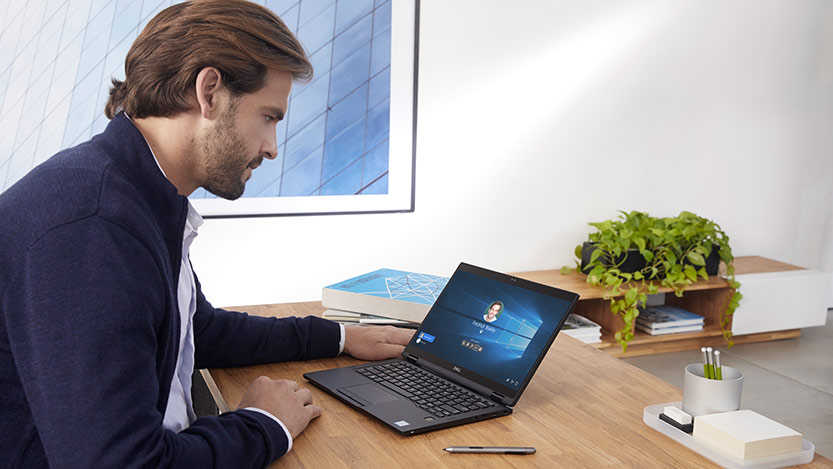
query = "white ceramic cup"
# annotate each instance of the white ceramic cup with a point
(709, 396)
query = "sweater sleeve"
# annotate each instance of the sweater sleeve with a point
(90, 309)
(228, 338)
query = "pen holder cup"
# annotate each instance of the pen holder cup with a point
(709, 396)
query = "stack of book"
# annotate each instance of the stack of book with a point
(384, 296)
(657, 320)
(583, 329)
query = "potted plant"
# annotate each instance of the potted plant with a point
(671, 252)
(613, 244)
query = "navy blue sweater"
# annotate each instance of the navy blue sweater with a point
(90, 251)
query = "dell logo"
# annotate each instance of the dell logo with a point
(457, 369)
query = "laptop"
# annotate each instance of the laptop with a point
(471, 359)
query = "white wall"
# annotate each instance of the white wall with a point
(537, 117)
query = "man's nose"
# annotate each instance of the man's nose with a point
(270, 148)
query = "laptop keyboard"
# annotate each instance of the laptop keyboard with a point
(427, 391)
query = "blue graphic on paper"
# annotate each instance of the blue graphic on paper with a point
(396, 284)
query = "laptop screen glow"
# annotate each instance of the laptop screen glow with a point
(493, 328)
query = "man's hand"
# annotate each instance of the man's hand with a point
(375, 342)
(284, 400)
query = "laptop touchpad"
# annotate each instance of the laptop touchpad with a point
(368, 394)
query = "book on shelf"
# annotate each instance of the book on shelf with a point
(746, 434)
(387, 293)
(669, 330)
(349, 317)
(583, 329)
(664, 316)
(588, 339)
(583, 334)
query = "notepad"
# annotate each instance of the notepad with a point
(745, 434)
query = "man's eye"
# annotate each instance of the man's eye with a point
(269, 118)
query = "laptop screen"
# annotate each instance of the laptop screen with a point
(493, 325)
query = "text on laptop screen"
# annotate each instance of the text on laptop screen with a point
(490, 327)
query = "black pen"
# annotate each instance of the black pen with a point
(491, 449)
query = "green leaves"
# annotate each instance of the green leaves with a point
(630, 296)
(594, 256)
(696, 258)
(690, 273)
(595, 275)
(640, 243)
(675, 250)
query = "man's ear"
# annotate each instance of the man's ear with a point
(210, 91)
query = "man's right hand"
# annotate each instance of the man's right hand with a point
(284, 400)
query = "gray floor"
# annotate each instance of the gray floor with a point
(789, 381)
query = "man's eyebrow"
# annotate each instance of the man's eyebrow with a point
(275, 111)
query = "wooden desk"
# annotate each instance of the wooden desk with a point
(583, 408)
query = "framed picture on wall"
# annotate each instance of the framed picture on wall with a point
(347, 142)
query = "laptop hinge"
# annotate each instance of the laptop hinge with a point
(411, 358)
(497, 397)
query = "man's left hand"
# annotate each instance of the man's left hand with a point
(375, 342)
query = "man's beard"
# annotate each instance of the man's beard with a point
(223, 150)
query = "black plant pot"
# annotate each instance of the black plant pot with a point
(713, 261)
(632, 260)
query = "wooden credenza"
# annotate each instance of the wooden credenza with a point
(706, 298)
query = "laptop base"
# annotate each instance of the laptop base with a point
(394, 410)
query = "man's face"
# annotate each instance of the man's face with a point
(494, 310)
(243, 135)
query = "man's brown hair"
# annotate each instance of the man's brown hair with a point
(241, 39)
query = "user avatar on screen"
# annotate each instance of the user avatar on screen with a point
(493, 311)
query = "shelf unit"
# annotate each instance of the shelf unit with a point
(706, 298)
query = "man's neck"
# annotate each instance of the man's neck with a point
(170, 139)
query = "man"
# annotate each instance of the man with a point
(493, 311)
(103, 319)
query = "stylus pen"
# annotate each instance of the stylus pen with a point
(491, 449)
